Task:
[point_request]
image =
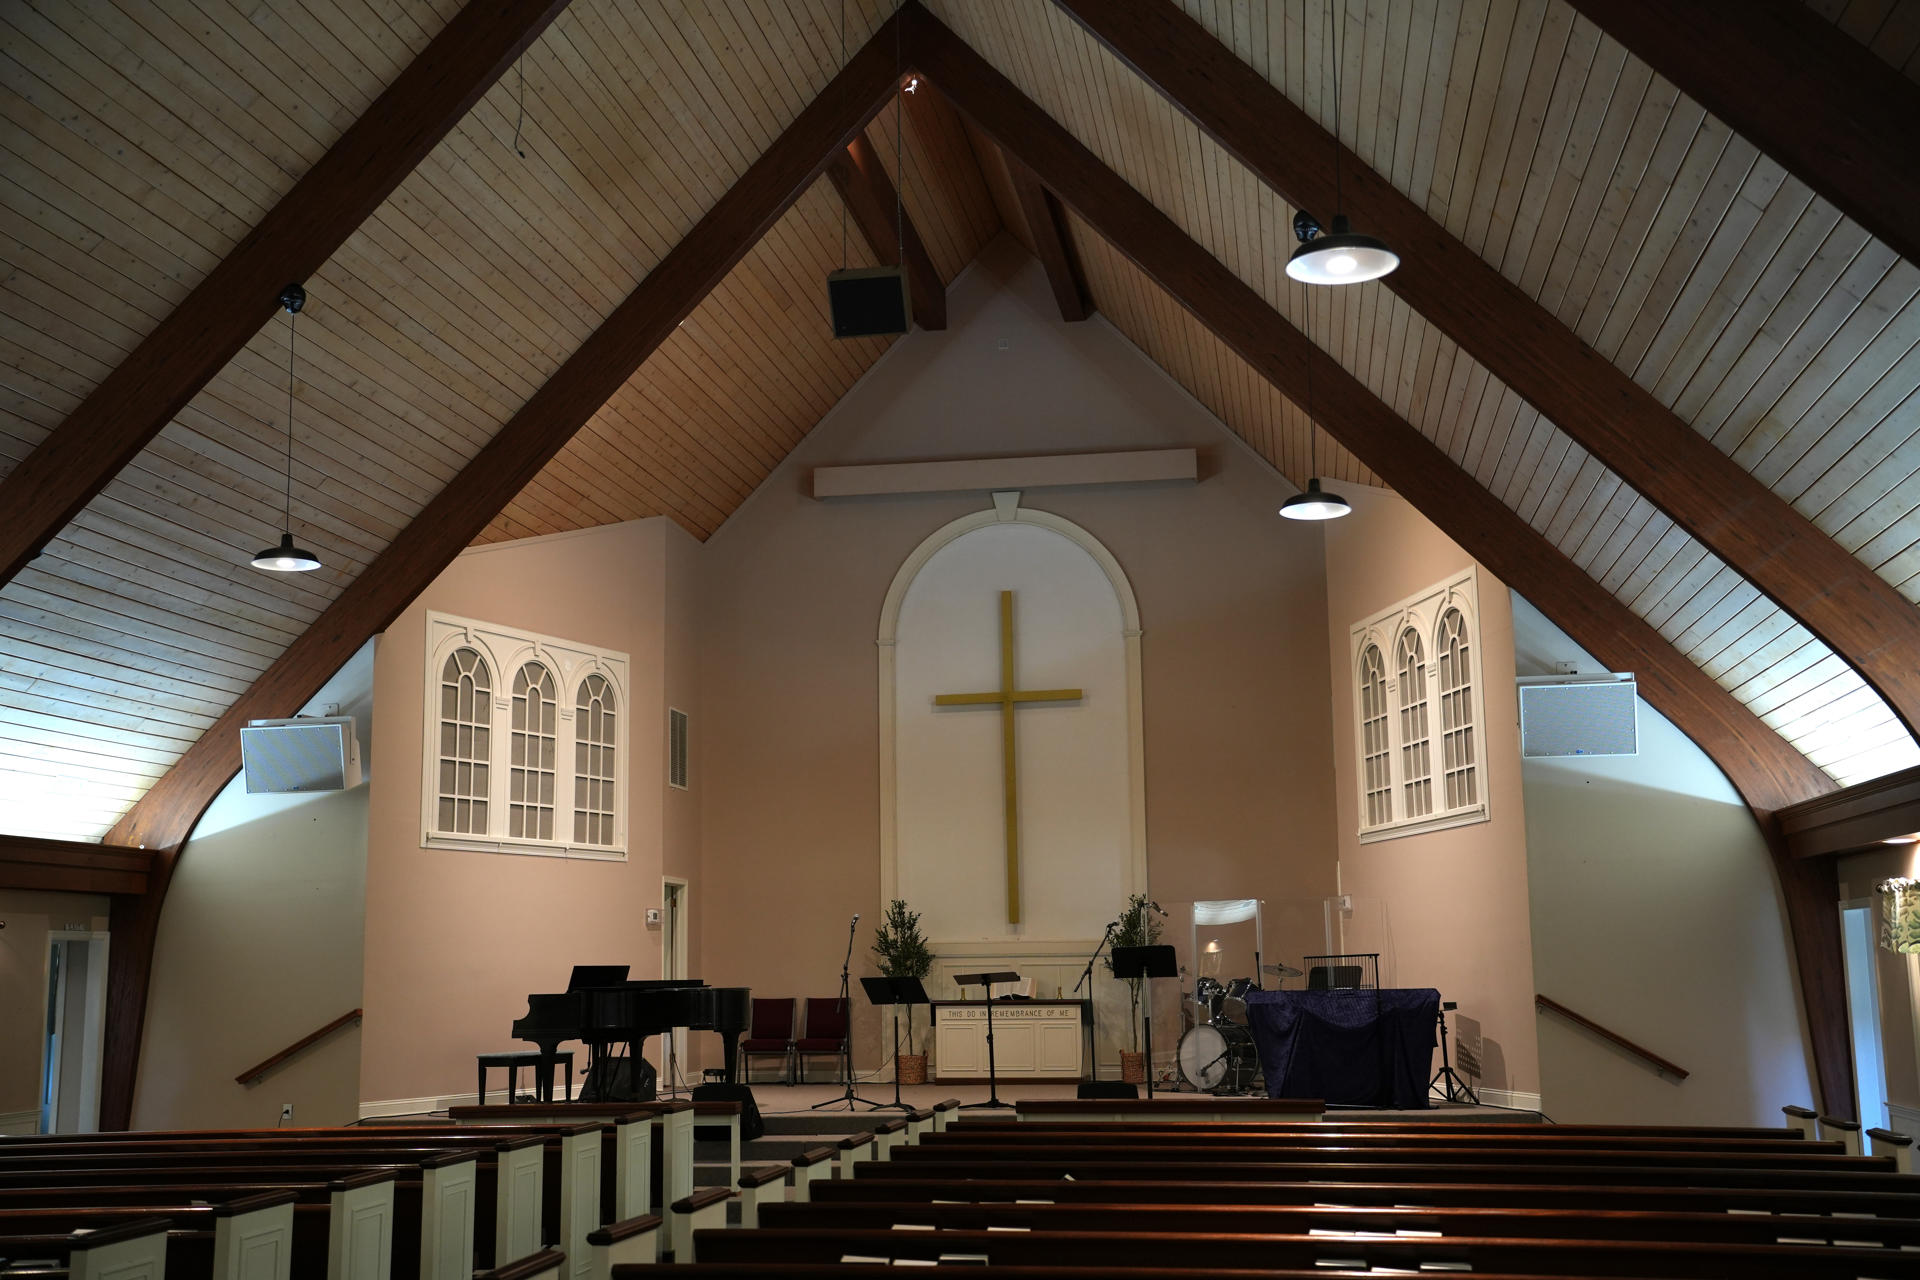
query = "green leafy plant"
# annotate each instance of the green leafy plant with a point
(1138, 926)
(901, 951)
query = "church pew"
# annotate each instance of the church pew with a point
(866, 1271)
(1182, 1109)
(547, 1262)
(253, 1238)
(766, 1185)
(132, 1250)
(1508, 1156)
(1094, 1135)
(812, 1169)
(702, 1214)
(1787, 1198)
(631, 1240)
(1504, 1222)
(667, 1173)
(1864, 1173)
(1207, 1252)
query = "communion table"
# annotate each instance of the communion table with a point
(1033, 1040)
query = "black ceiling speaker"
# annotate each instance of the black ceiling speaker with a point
(868, 302)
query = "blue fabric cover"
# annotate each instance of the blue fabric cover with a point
(1366, 1048)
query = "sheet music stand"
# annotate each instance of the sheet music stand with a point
(1146, 962)
(986, 981)
(896, 992)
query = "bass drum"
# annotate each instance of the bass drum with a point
(1214, 1055)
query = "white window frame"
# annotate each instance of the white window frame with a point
(505, 651)
(1420, 613)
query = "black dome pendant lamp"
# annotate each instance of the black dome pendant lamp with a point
(288, 558)
(1342, 255)
(1315, 503)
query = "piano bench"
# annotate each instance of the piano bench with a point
(542, 1064)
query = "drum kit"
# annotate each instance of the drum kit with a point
(1216, 1055)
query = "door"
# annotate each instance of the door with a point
(76, 1020)
(1863, 1013)
(673, 964)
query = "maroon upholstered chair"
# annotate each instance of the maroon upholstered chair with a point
(826, 1031)
(770, 1033)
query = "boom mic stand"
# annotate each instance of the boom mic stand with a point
(1086, 980)
(846, 1040)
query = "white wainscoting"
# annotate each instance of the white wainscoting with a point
(15, 1124)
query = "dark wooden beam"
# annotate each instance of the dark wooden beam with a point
(869, 195)
(72, 866)
(1767, 771)
(1854, 818)
(1838, 598)
(1797, 87)
(130, 406)
(1051, 243)
(591, 375)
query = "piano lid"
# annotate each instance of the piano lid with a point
(597, 975)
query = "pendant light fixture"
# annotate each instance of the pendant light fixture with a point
(287, 558)
(1341, 256)
(1314, 504)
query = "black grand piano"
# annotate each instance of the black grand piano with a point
(604, 1010)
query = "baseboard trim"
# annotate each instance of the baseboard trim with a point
(19, 1124)
(414, 1106)
(1515, 1099)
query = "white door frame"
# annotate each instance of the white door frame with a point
(1872, 975)
(673, 956)
(92, 1032)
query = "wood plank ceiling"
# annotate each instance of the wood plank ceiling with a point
(142, 141)
(1773, 325)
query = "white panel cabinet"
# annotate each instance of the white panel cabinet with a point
(1032, 1040)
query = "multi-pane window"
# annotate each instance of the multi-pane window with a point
(1376, 771)
(527, 743)
(1415, 738)
(536, 724)
(466, 698)
(1416, 757)
(1456, 710)
(593, 761)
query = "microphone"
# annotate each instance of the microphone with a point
(856, 917)
(1157, 907)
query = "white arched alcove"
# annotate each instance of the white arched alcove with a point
(1083, 806)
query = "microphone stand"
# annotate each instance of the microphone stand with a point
(1086, 980)
(846, 1041)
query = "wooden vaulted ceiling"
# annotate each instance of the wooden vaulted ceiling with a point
(144, 142)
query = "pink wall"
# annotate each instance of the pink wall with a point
(1447, 909)
(456, 940)
(1238, 748)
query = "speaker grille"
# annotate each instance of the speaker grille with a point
(313, 755)
(1592, 719)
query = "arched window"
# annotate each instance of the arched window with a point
(1458, 756)
(593, 760)
(1416, 756)
(536, 719)
(1375, 760)
(466, 720)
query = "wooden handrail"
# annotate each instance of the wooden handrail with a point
(253, 1073)
(1659, 1063)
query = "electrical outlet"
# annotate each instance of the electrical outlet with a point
(286, 1112)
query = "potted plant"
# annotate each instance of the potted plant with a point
(901, 952)
(1138, 926)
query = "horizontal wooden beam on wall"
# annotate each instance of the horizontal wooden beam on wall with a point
(1039, 471)
(1854, 818)
(72, 866)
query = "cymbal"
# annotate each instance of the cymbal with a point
(1282, 970)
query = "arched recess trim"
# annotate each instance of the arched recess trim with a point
(1006, 509)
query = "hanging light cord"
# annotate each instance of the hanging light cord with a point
(899, 154)
(1338, 202)
(293, 318)
(520, 64)
(843, 67)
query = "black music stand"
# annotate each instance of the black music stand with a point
(1146, 962)
(986, 980)
(896, 992)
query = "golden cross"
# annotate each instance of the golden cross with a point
(1006, 697)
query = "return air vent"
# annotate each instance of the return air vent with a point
(676, 749)
(1579, 717)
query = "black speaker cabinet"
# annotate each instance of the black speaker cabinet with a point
(868, 302)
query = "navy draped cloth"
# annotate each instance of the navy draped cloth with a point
(1367, 1048)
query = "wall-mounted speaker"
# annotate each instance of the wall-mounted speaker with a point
(1579, 717)
(300, 755)
(868, 302)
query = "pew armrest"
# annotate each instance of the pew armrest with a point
(702, 1211)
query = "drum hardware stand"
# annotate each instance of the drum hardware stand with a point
(1086, 980)
(849, 1096)
(1456, 1086)
(986, 981)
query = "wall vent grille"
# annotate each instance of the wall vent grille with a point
(676, 749)
(1588, 718)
